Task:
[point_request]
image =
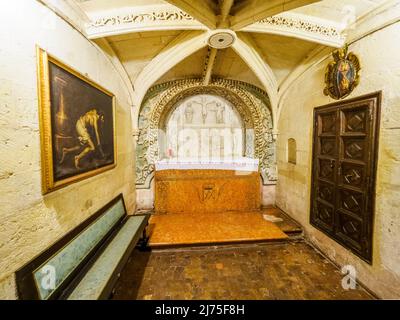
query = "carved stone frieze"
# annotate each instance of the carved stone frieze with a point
(301, 25)
(167, 15)
(144, 17)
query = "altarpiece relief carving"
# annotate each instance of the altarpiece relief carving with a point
(212, 122)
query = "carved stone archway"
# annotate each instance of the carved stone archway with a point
(251, 103)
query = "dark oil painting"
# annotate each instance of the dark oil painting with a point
(82, 125)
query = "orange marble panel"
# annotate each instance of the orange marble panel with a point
(209, 228)
(189, 191)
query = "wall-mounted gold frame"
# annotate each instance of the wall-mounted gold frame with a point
(72, 108)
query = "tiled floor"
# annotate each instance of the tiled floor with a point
(289, 270)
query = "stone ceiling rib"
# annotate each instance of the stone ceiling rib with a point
(248, 51)
(203, 11)
(225, 9)
(191, 67)
(278, 22)
(209, 65)
(279, 54)
(183, 46)
(251, 11)
(378, 17)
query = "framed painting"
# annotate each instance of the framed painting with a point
(77, 124)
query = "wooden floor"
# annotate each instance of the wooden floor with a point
(211, 228)
(289, 270)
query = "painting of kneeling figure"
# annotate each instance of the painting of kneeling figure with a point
(77, 125)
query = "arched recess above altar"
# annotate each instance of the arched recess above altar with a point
(163, 101)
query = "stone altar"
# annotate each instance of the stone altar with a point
(206, 190)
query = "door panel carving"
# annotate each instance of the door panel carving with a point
(350, 231)
(324, 214)
(355, 120)
(352, 175)
(326, 192)
(344, 169)
(354, 149)
(326, 169)
(351, 201)
(328, 146)
(328, 123)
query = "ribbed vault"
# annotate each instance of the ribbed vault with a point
(273, 42)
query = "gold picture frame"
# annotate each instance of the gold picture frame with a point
(77, 124)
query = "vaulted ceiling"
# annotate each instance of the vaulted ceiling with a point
(158, 41)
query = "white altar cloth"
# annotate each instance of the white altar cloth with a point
(238, 164)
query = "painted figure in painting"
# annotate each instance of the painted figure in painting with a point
(86, 123)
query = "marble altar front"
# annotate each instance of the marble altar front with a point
(207, 190)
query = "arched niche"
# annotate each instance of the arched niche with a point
(250, 102)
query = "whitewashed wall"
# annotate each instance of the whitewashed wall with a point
(29, 222)
(379, 54)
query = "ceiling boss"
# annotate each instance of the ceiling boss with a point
(342, 75)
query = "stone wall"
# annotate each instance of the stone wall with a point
(380, 63)
(29, 221)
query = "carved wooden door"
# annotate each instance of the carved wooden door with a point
(344, 167)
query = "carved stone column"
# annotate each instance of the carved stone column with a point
(135, 134)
